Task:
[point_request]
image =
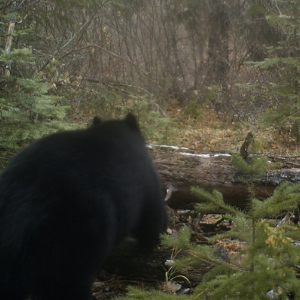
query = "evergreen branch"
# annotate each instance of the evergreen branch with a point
(182, 241)
(241, 163)
(215, 200)
(285, 198)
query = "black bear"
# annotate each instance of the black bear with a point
(66, 200)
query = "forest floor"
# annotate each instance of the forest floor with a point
(210, 131)
(148, 271)
(129, 266)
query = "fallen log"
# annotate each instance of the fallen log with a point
(181, 168)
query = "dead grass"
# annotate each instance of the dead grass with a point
(214, 133)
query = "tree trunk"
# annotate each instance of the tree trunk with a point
(182, 168)
(11, 28)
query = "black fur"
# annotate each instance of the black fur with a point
(66, 200)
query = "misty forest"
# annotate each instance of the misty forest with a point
(215, 86)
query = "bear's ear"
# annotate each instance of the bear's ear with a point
(132, 122)
(97, 121)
